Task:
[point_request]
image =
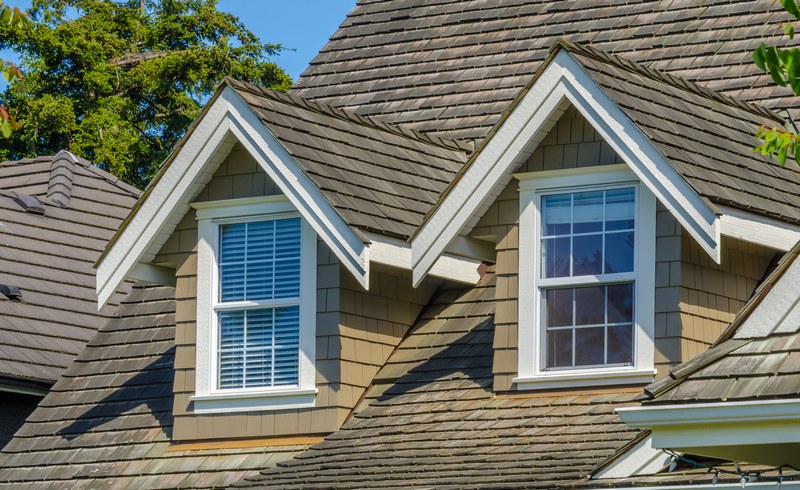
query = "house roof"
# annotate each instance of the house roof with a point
(379, 177)
(49, 258)
(431, 418)
(451, 67)
(758, 357)
(107, 421)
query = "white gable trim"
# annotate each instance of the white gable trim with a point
(228, 120)
(563, 79)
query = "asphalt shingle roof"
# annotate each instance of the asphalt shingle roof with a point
(107, 421)
(49, 258)
(378, 177)
(451, 67)
(432, 420)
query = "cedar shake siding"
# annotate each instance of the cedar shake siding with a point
(356, 330)
(694, 299)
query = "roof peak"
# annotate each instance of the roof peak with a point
(680, 83)
(334, 111)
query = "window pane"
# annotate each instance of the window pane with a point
(559, 307)
(587, 255)
(557, 214)
(588, 212)
(555, 256)
(589, 346)
(619, 252)
(588, 233)
(559, 348)
(620, 209)
(598, 318)
(590, 305)
(620, 303)
(260, 260)
(620, 344)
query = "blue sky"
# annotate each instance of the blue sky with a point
(301, 25)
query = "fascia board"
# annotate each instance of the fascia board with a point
(758, 229)
(710, 413)
(397, 253)
(563, 78)
(228, 120)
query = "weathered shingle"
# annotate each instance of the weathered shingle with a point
(49, 258)
(380, 178)
(432, 420)
(107, 422)
(451, 67)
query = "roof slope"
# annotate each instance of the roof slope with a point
(431, 418)
(451, 67)
(757, 358)
(107, 421)
(707, 137)
(379, 177)
(49, 258)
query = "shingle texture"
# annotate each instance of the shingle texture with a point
(707, 137)
(431, 419)
(107, 422)
(451, 67)
(378, 177)
(49, 258)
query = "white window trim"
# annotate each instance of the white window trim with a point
(531, 374)
(209, 399)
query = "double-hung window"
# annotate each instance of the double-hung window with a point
(587, 261)
(256, 295)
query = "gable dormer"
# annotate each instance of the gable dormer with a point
(288, 255)
(626, 221)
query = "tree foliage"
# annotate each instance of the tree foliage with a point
(118, 82)
(783, 65)
(12, 19)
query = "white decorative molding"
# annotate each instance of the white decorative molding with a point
(754, 228)
(641, 459)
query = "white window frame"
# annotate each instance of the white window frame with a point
(208, 397)
(531, 372)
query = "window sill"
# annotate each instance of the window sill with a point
(254, 401)
(584, 379)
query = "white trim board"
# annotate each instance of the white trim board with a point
(718, 424)
(562, 79)
(754, 228)
(228, 120)
(397, 253)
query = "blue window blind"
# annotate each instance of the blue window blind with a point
(259, 262)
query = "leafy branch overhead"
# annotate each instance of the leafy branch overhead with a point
(119, 82)
(783, 65)
(11, 18)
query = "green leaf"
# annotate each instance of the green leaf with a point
(5, 129)
(759, 57)
(788, 29)
(791, 7)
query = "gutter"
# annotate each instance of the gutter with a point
(711, 413)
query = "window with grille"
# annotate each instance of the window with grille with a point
(258, 311)
(587, 277)
(586, 309)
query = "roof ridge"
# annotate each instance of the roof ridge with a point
(652, 73)
(322, 108)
